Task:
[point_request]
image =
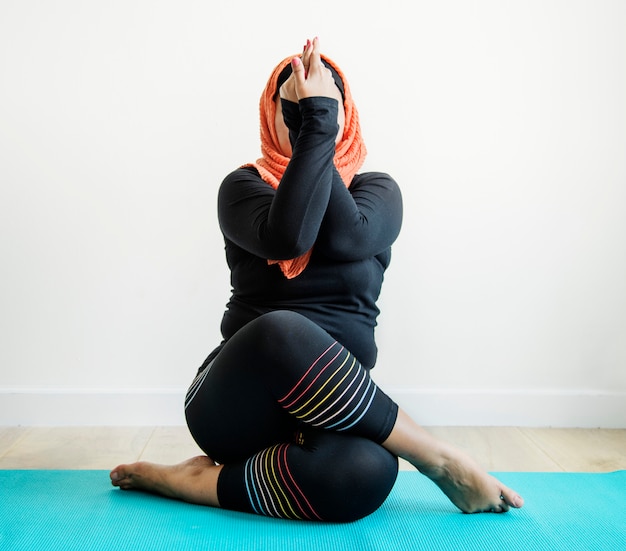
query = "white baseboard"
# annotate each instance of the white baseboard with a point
(91, 407)
(430, 407)
(511, 408)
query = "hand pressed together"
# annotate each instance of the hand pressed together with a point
(310, 77)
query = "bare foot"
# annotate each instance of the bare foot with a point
(470, 488)
(194, 480)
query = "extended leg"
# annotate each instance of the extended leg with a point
(466, 484)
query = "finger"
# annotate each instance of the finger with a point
(316, 45)
(306, 55)
(313, 57)
(297, 70)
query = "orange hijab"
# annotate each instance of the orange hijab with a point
(349, 153)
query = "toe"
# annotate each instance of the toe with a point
(510, 498)
(503, 507)
(118, 475)
(115, 476)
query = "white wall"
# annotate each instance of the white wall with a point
(504, 123)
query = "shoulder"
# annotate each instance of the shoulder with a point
(241, 194)
(246, 173)
(373, 179)
(379, 183)
(242, 182)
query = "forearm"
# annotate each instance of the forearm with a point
(292, 119)
(302, 196)
(284, 223)
(362, 221)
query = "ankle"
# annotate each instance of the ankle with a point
(435, 467)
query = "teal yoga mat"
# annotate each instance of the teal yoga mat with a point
(79, 510)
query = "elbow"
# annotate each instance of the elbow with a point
(287, 245)
(339, 247)
(287, 252)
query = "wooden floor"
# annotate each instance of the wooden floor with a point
(496, 448)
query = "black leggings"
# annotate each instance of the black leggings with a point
(296, 422)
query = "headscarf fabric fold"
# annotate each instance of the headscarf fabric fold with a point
(350, 152)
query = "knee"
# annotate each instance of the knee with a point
(370, 474)
(279, 328)
(279, 321)
(357, 480)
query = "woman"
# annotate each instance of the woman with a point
(284, 408)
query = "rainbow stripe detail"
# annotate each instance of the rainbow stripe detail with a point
(334, 393)
(272, 489)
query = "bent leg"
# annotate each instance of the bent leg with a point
(321, 476)
(279, 372)
(296, 368)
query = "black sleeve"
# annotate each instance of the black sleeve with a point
(292, 118)
(361, 221)
(284, 223)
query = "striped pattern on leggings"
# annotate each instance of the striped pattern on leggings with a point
(272, 489)
(334, 393)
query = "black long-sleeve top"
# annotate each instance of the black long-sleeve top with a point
(350, 230)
